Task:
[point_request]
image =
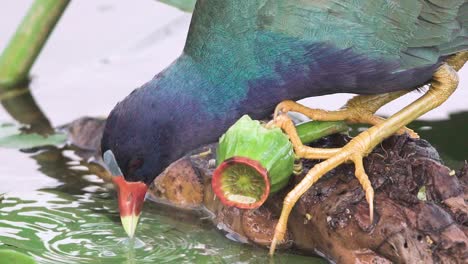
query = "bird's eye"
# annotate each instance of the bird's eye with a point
(134, 164)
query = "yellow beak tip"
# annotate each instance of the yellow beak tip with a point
(129, 224)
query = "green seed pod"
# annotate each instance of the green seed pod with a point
(253, 161)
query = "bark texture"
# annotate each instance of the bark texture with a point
(331, 219)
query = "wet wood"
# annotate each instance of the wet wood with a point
(331, 219)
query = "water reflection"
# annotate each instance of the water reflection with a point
(20, 105)
(57, 227)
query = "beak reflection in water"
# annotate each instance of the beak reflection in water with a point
(131, 195)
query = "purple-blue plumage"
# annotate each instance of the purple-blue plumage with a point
(185, 107)
(244, 57)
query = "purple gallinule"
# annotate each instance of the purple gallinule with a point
(248, 56)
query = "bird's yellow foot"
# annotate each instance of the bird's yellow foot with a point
(358, 110)
(354, 151)
(445, 81)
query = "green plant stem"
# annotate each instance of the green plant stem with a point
(23, 49)
(313, 130)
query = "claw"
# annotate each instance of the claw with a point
(273, 246)
(282, 108)
(410, 132)
(277, 237)
(361, 175)
(280, 229)
(370, 201)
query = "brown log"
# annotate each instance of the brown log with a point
(331, 219)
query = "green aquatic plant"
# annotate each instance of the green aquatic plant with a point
(14, 257)
(30, 36)
(11, 136)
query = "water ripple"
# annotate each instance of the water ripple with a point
(55, 227)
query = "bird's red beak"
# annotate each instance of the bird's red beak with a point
(131, 198)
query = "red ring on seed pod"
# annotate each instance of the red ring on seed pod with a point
(216, 182)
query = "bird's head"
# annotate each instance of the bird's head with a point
(176, 112)
(137, 145)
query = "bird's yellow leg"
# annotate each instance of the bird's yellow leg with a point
(445, 81)
(286, 124)
(358, 110)
(361, 108)
(458, 60)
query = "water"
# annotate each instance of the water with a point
(66, 215)
(57, 211)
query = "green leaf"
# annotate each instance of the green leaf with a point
(12, 137)
(14, 257)
(184, 5)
